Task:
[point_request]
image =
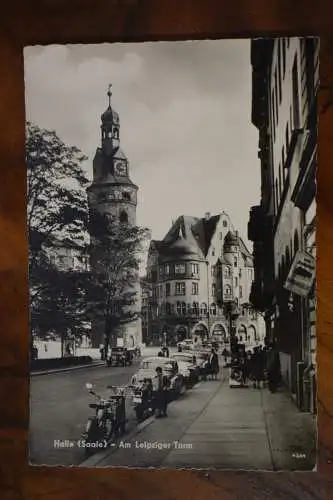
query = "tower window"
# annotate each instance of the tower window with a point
(123, 217)
(126, 196)
(116, 133)
(109, 135)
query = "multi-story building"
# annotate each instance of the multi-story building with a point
(200, 278)
(113, 193)
(68, 255)
(282, 227)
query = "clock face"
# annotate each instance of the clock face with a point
(120, 169)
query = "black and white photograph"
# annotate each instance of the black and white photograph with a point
(171, 216)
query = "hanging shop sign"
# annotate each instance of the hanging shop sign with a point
(302, 274)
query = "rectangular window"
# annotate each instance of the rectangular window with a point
(167, 269)
(221, 236)
(284, 56)
(273, 113)
(240, 272)
(212, 271)
(224, 223)
(195, 288)
(235, 261)
(279, 70)
(296, 112)
(213, 289)
(277, 196)
(180, 268)
(167, 289)
(195, 268)
(236, 281)
(240, 292)
(180, 288)
(276, 98)
(161, 270)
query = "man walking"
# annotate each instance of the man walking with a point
(161, 395)
(214, 364)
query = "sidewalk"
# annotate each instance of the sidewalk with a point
(214, 426)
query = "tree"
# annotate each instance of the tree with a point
(61, 306)
(56, 206)
(115, 259)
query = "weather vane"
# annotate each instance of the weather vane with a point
(109, 94)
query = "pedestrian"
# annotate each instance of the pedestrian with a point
(225, 356)
(214, 364)
(273, 368)
(243, 368)
(161, 394)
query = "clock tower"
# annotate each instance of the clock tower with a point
(112, 192)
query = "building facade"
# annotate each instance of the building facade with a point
(198, 284)
(113, 193)
(282, 228)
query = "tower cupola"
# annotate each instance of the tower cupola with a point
(110, 128)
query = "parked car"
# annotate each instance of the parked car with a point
(170, 369)
(186, 345)
(188, 367)
(202, 359)
(119, 356)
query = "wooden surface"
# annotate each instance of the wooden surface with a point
(85, 21)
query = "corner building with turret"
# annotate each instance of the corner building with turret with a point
(200, 278)
(112, 192)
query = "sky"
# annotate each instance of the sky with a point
(185, 120)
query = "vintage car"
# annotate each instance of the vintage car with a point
(119, 356)
(186, 345)
(170, 369)
(188, 367)
(202, 358)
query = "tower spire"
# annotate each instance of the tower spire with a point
(109, 94)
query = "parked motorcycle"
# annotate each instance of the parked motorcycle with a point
(109, 420)
(143, 402)
(100, 426)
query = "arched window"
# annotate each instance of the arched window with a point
(227, 291)
(179, 308)
(183, 309)
(123, 217)
(204, 308)
(213, 309)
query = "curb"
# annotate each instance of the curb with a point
(98, 457)
(68, 369)
(102, 455)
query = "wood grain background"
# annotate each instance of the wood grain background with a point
(85, 21)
